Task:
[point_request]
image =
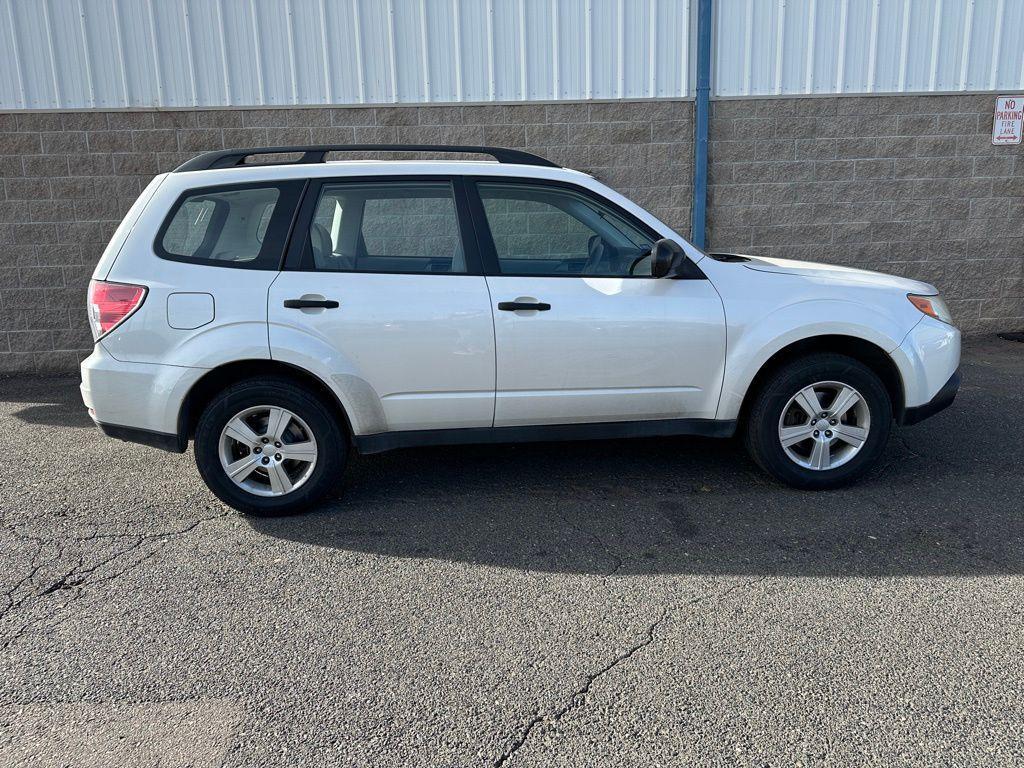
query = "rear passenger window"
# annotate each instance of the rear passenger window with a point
(233, 226)
(399, 227)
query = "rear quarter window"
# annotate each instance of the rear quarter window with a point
(240, 226)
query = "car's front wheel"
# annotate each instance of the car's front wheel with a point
(819, 422)
(269, 447)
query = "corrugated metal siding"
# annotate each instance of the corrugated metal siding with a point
(766, 47)
(175, 53)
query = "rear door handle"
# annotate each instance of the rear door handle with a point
(311, 304)
(512, 306)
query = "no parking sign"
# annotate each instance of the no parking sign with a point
(1009, 120)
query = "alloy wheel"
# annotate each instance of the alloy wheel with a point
(825, 425)
(267, 450)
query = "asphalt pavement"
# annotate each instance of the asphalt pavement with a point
(649, 602)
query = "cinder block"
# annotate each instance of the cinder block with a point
(566, 113)
(28, 143)
(440, 115)
(546, 135)
(353, 116)
(505, 135)
(135, 121)
(174, 118)
(156, 140)
(219, 118)
(109, 141)
(35, 122)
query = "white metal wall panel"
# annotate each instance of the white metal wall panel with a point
(58, 54)
(176, 53)
(792, 47)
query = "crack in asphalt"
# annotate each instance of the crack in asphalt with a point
(617, 560)
(906, 445)
(35, 566)
(78, 577)
(579, 696)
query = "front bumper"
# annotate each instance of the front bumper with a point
(943, 399)
(928, 359)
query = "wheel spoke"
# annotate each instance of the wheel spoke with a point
(793, 435)
(821, 455)
(845, 400)
(304, 451)
(241, 469)
(279, 480)
(239, 430)
(807, 399)
(278, 423)
(848, 433)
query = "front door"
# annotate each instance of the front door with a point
(387, 286)
(583, 332)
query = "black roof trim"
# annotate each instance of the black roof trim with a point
(230, 158)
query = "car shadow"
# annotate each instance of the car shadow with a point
(50, 401)
(693, 506)
(947, 499)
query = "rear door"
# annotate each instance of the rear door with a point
(583, 332)
(384, 274)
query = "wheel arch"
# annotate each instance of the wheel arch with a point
(862, 350)
(217, 379)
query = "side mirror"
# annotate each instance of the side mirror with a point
(664, 256)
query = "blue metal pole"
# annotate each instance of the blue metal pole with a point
(702, 107)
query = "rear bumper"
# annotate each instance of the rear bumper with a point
(139, 402)
(943, 399)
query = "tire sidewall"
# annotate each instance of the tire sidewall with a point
(763, 439)
(331, 446)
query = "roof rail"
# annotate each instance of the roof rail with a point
(229, 158)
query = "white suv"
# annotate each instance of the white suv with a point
(281, 314)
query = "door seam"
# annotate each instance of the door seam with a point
(494, 337)
(266, 318)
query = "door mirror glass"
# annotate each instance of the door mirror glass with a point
(665, 255)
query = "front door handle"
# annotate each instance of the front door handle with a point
(311, 304)
(512, 306)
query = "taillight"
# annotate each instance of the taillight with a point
(110, 304)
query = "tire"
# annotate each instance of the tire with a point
(310, 447)
(779, 405)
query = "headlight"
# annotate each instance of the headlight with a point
(933, 306)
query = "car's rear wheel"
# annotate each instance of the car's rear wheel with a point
(269, 447)
(819, 422)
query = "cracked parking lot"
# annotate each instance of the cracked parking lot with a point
(652, 602)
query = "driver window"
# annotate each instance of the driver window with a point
(540, 230)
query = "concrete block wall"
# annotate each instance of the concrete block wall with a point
(909, 185)
(68, 178)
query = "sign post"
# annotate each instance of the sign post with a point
(1008, 124)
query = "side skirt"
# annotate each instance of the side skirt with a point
(612, 430)
(161, 440)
